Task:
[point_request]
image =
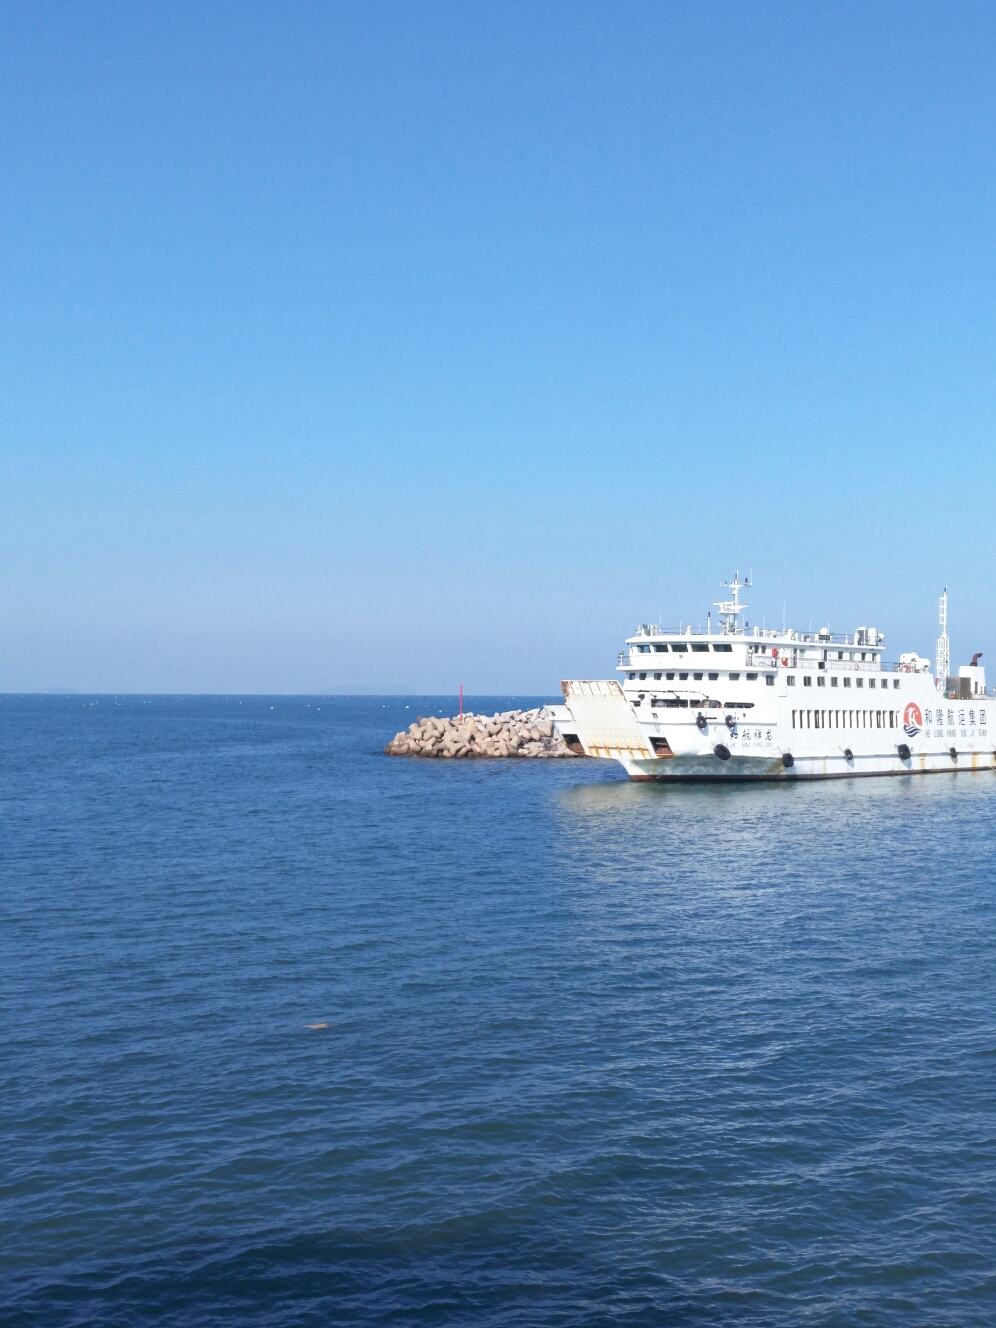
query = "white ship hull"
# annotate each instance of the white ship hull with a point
(765, 705)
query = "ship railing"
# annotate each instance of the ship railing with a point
(824, 639)
(755, 660)
(846, 665)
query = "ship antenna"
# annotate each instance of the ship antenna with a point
(731, 609)
(943, 646)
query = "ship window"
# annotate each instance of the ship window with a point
(657, 677)
(713, 677)
(699, 647)
(807, 681)
(752, 677)
(644, 650)
(642, 676)
(670, 677)
(682, 677)
(679, 646)
(821, 682)
(697, 677)
(840, 654)
(895, 684)
(871, 682)
(791, 680)
(660, 647)
(632, 676)
(734, 677)
(769, 678)
(859, 682)
(726, 649)
(847, 682)
(833, 682)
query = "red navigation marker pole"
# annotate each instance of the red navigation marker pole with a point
(461, 698)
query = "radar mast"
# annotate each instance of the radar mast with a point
(731, 609)
(943, 646)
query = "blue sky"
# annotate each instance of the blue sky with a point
(385, 347)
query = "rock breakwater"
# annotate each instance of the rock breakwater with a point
(511, 733)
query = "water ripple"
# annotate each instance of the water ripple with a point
(299, 1034)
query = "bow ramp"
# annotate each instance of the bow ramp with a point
(600, 719)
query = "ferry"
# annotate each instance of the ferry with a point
(756, 703)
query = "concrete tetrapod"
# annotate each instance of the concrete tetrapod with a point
(520, 733)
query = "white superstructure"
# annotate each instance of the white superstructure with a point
(756, 703)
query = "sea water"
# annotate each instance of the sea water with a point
(297, 1033)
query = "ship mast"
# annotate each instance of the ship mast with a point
(943, 646)
(731, 609)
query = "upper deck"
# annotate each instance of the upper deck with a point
(756, 647)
